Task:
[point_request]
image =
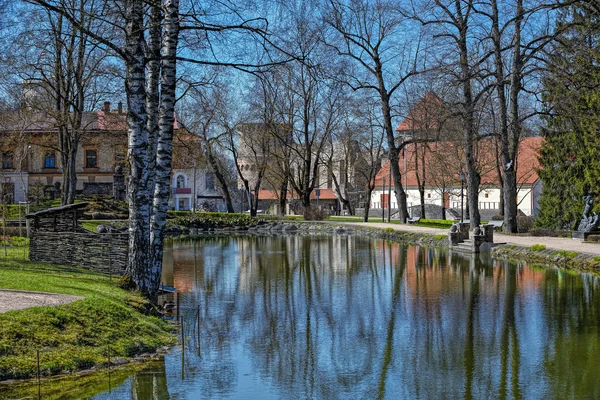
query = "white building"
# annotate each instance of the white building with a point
(439, 166)
(194, 189)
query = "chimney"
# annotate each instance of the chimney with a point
(120, 107)
(106, 107)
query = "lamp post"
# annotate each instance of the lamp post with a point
(383, 202)
(462, 185)
(389, 218)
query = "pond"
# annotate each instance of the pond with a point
(328, 317)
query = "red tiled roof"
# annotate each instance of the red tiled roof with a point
(426, 114)
(115, 121)
(443, 161)
(325, 194)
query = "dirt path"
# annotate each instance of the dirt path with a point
(525, 241)
(20, 299)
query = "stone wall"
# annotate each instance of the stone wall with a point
(101, 252)
(57, 238)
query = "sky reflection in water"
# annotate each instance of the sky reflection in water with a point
(352, 317)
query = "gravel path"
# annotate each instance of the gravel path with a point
(553, 243)
(20, 299)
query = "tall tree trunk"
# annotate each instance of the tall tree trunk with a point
(468, 113)
(283, 189)
(152, 89)
(164, 148)
(511, 147)
(342, 196)
(368, 203)
(137, 150)
(393, 150)
(214, 163)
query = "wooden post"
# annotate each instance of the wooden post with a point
(109, 388)
(198, 330)
(39, 375)
(182, 348)
(177, 297)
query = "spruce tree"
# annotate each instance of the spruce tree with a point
(570, 156)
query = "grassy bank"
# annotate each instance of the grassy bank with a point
(72, 336)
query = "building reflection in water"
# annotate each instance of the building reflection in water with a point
(344, 316)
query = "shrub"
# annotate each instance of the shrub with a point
(497, 218)
(542, 232)
(593, 238)
(538, 247)
(524, 224)
(313, 213)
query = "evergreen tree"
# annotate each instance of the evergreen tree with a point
(570, 156)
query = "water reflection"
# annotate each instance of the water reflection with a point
(352, 317)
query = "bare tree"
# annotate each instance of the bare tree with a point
(62, 73)
(369, 32)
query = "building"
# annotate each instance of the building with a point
(435, 168)
(260, 149)
(31, 165)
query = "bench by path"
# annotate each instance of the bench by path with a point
(554, 243)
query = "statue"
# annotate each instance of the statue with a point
(589, 222)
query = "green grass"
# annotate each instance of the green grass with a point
(92, 225)
(440, 237)
(566, 254)
(538, 247)
(72, 336)
(435, 223)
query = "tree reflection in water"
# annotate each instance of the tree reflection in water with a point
(353, 317)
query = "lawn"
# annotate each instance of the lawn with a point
(72, 336)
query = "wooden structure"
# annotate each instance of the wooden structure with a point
(57, 238)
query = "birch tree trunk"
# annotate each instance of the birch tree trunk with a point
(137, 149)
(152, 89)
(164, 149)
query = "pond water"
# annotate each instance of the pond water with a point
(328, 317)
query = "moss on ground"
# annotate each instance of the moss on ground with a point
(72, 336)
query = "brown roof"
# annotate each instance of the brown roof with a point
(426, 114)
(443, 163)
(324, 194)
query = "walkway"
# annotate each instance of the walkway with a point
(20, 299)
(553, 243)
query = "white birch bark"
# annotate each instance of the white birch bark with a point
(165, 139)
(137, 191)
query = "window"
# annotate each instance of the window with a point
(7, 160)
(428, 195)
(487, 195)
(91, 158)
(50, 159)
(180, 182)
(210, 181)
